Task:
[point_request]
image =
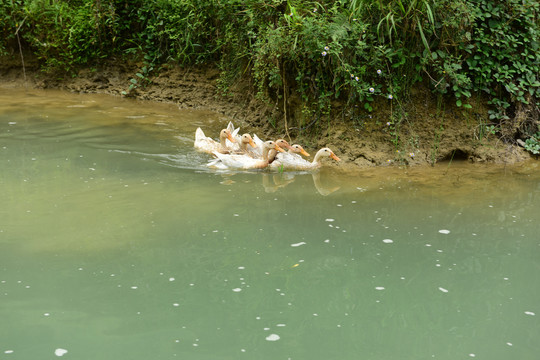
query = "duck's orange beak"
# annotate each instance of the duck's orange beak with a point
(252, 143)
(304, 152)
(334, 156)
(229, 136)
(278, 148)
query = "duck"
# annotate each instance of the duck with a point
(235, 134)
(282, 143)
(246, 140)
(298, 163)
(243, 162)
(291, 155)
(208, 145)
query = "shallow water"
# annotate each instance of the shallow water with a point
(116, 242)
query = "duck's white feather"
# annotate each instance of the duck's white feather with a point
(290, 161)
(208, 145)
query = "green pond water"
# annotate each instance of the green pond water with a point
(116, 242)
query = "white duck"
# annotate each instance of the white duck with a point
(234, 131)
(293, 155)
(257, 150)
(258, 142)
(298, 163)
(243, 162)
(246, 140)
(208, 145)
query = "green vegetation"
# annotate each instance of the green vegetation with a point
(533, 144)
(328, 56)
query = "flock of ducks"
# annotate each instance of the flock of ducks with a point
(235, 152)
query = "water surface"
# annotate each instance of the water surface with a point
(116, 242)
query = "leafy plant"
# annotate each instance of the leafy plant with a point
(314, 57)
(532, 144)
(504, 60)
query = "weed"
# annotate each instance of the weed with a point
(532, 144)
(329, 54)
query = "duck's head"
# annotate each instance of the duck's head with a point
(226, 134)
(267, 145)
(329, 153)
(282, 143)
(297, 149)
(247, 139)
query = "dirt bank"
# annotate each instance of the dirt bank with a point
(428, 131)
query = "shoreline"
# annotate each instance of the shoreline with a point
(432, 136)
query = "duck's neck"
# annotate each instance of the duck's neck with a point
(317, 157)
(271, 155)
(265, 153)
(223, 142)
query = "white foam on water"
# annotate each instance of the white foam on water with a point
(443, 290)
(272, 337)
(529, 313)
(379, 288)
(236, 289)
(298, 244)
(60, 352)
(444, 231)
(388, 241)
(329, 220)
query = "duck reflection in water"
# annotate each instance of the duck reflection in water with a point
(272, 182)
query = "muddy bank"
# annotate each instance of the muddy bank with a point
(428, 132)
